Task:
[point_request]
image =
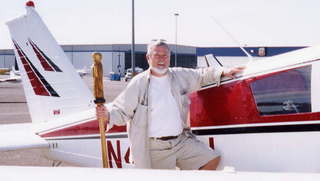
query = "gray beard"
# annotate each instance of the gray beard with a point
(159, 71)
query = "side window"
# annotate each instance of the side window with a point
(286, 92)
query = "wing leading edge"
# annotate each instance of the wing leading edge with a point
(20, 136)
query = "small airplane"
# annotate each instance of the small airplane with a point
(13, 77)
(265, 121)
(4, 71)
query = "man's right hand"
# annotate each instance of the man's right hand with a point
(233, 71)
(102, 113)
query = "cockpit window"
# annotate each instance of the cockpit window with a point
(284, 93)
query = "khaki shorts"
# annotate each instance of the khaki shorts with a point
(185, 152)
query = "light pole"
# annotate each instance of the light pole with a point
(119, 64)
(176, 37)
(133, 44)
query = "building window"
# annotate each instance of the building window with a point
(284, 93)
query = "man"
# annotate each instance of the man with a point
(155, 107)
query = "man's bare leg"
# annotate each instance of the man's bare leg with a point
(211, 165)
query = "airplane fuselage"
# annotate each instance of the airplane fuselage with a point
(262, 122)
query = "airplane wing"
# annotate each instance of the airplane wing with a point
(12, 78)
(20, 136)
(85, 174)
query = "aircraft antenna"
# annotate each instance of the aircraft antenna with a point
(232, 37)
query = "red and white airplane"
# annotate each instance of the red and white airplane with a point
(265, 120)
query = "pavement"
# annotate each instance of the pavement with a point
(13, 110)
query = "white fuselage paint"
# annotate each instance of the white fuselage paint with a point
(286, 151)
(271, 152)
(280, 152)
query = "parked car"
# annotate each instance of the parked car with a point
(128, 75)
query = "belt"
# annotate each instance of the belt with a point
(165, 138)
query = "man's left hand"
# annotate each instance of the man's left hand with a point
(232, 71)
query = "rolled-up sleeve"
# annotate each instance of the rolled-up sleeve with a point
(210, 75)
(196, 78)
(121, 110)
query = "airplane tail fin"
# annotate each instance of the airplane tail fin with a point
(51, 84)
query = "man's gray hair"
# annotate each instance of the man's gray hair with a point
(157, 42)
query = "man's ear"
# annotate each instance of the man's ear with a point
(147, 57)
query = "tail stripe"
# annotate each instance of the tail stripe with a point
(39, 84)
(45, 61)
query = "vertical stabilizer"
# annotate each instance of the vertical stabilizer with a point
(52, 86)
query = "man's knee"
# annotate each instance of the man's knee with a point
(211, 165)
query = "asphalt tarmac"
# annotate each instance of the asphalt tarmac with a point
(13, 109)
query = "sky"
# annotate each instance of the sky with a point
(251, 22)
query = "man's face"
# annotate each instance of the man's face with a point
(159, 58)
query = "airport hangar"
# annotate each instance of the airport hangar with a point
(117, 57)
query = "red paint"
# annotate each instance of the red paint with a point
(232, 104)
(127, 155)
(41, 58)
(37, 85)
(30, 4)
(113, 155)
(91, 127)
(229, 104)
(225, 105)
(56, 112)
(211, 142)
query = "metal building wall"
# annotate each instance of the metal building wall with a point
(6, 58)
(116, 57)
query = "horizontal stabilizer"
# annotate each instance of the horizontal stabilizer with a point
(20, 136)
